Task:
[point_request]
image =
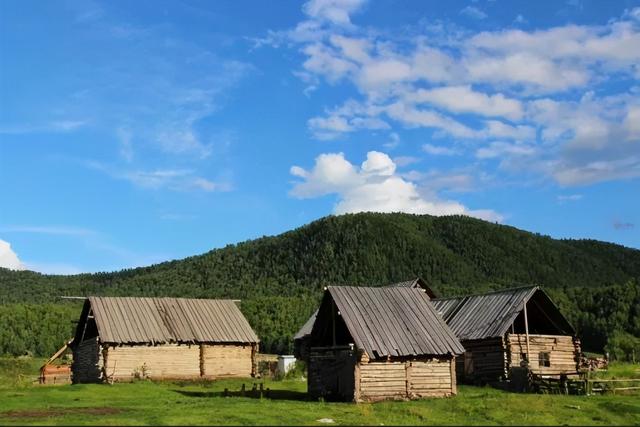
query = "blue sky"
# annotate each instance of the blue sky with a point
(137, 132)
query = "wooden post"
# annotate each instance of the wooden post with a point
(333, 321)
(202, 360)
(526, 331)
(454, 383)
(407, 376)
(356, 381)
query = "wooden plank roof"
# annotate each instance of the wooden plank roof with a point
(418, 282)
(397, 321)
(486, 315)
(135, 320)
(307, 327)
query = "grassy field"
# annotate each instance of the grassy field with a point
(201, 403)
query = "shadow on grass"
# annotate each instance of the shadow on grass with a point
(270, 394)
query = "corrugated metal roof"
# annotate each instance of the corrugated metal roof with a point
(133, 320)
(483, 316)
(394, 321)
(307, 327)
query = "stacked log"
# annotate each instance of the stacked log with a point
(431, 378)
(564, 353)
(383, 380)
(87, 362)
(167, 361)
(226, 361)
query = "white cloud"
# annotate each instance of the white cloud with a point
(437, 150)
(463, 99)
(8, 258)
(401, 161)
(162, 179)
(473, 12)
(497, 129)
(511, 92)
(374, 187)
(500, 149)
(335, 11)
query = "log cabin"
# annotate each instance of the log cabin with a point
(513, 328)
(301, 338)
(369, 344)
(120, 339)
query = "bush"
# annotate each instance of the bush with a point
(623, 346)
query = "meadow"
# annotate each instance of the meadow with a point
(204, 403)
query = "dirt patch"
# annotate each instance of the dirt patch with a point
(58, 412)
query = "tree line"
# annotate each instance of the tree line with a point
(280, 279)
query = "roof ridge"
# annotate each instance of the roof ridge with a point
(479, 294)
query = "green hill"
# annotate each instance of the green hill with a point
(279, 279)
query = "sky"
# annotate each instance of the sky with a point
(138, 132)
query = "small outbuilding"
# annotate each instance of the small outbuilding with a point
(301, 338)
(119, 339)
(508, 329)
(380, 343)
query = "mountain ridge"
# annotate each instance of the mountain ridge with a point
(280, 278)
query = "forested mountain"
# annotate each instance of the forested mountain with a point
(279, 279)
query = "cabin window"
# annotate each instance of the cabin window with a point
(544, 359)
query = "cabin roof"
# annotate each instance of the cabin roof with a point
(418, 282)
(307, 327)
(491, 314)
(397, 321)
(134, 320)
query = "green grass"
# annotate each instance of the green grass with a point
(202, 403)
(620, 370)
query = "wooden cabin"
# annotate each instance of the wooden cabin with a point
(119, 339)
(508, 329)
(301, 338)
(370, 344)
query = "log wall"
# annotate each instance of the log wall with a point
(484, 360)
(167, 361)
(563, 350)
(87, 362)
(405, 379)
(227, 361)
(331, 373)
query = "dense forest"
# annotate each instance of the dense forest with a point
(280, 279)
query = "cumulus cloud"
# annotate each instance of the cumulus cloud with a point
(8, 258)
(374, 186)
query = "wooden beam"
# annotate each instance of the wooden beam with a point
(526, 331)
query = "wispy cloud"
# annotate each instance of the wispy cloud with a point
(437, 150)
(569, 198)
(619, 225)
(52, 126)
(162, 179)
(48, 229)
(473, 12)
